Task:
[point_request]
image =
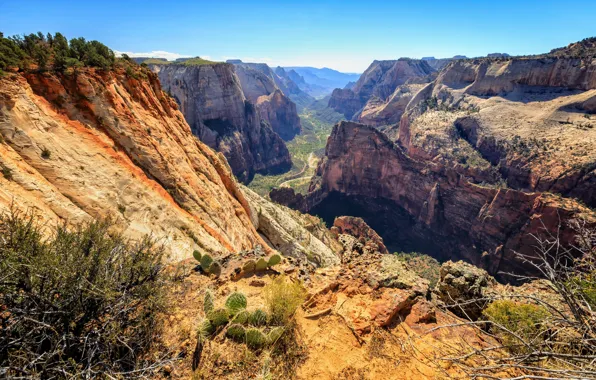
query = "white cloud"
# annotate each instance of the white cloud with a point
(155, 54)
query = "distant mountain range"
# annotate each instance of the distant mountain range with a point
(319, 82)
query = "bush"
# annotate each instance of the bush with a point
(7, 173)
(283, 297)
(523, 320)
(78, 301)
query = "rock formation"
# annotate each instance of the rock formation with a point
(270, 92)
(527, 120)
(384, 88)
(99, 144)
(427, 206)
(212, 101)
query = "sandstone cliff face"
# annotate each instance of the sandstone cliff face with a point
(529, 120)
(428, 207)
(213, 103)
(378, 86)
(93, 145)
(270, 93)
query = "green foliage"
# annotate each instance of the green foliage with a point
(46, 154)
(218, 317)
(215, 268)
(77, 301)
(274, 260)
(275, 334)
(43, 50)
(283, 297)
(197, 255)
(236, 302)
(523, 320)
(242, 317)
(255, 338)
(7, 173)
(208, 302)
(423, 265)
(261, 265)
(249, 266)
(258, 318)
(206, 261)
(197, 61)
(236, 332)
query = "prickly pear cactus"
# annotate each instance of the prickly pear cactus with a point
(236, 302)
(249, 267)
(206, 262)
(218, 317)
(236, 332)
(242, 317)
(261, 265)
(274, 260)
(255, 338)
(275, 334)
(197, 255)
(208, 302)
(215, 268)
(258, 318)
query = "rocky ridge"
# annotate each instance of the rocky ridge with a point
(214, 105)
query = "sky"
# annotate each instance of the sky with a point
(343, 35)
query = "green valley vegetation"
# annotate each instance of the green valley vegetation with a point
(305, 149)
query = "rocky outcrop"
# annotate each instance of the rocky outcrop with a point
(214, 105)
(105, 144)
(378, 86)
(537, 134)
(359, 229)
(463, 287)
(428, 207)
(292, 233)
(269, 92)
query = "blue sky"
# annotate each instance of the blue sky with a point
(344, 35)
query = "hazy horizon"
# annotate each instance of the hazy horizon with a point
(342, 35)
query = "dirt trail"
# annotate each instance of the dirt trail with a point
(310, 164)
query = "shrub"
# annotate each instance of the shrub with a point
(45, 153)
(197, 255)
(236, 332)
(79, 301)
(7, 173)
(236, 302)
(206, 262)
(283, 297)
(523, 320)
(255, 338)
(261, 265)
(258, 318)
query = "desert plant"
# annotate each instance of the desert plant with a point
(7, 173)
(274, 260)
(236, 332)
(242, 317)
(283, 297)
(206, 261)
(258, 318)
(215, 268)
(249, 266)
(208, 302)
(197, 255)
(261, 265)
(255, 338)
(275, 334)
(516, 319)
(236, 302)
(218, 317)
(205, 330)
(45, 153)
(77, 301)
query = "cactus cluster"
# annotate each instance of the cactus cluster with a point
(262, 264)
(241, 325)
(208, 265)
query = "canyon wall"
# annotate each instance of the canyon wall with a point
(213, 102)
(426, 206)
(377, 87)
